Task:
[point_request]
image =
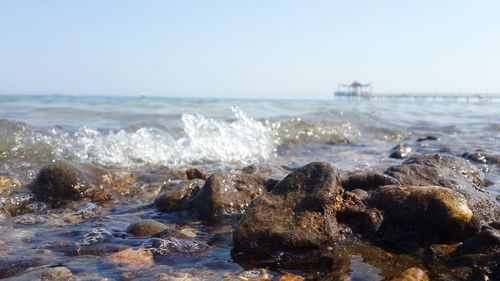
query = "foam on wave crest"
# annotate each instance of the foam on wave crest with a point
(243, 140)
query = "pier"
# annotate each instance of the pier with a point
(427, 97)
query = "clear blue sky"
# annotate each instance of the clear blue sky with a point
(281, 49)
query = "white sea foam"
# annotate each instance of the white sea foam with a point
(243, 140)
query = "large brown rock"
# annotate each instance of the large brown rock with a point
(431, 214)
(298, 214)
(451, 172)
(63, 180)
(226, 195)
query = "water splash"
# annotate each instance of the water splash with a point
(242, 140)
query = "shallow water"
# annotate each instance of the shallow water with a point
(158, 134)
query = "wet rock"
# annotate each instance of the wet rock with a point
(19, 203)
(353, 213)
(412, 274)
(132, 259)
(178, 195)
(68, 181)
(56, 273)
(451, 172)
(4, 214)
(166, 245)
(451, 165)
(291, 277)
(482, 157)
(260, 274)
(146, 228)
(428, 138)
(7, 185)
(226, 195)
(195, 173)
(487, 241)
(431, 214)
(95, 236)
(400, 151)
(10, 266)
(367, 181)
(298, 214)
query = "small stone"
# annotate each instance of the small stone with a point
(428, 138)
(132, 259)
(195, 173)
(188, 231)
(7, 185)
(291, 277)
(400, 151)
(412, 274)
(57, 273)
(146, 228)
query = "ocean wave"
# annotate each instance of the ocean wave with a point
(242, 140)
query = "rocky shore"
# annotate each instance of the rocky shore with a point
(428, 218)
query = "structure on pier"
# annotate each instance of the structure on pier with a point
(355, 89)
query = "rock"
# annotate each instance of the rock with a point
(451, 165)
(195, 173)
(451, 172)
(68, 181)
(367, 181)
(167, 245)
(400, 151)
(353, 213)
(227, 195)
(487, 241)
(10, 266)
(298, 214)
(260, 274)
(7, 185)
(412, 274)
(291, 277)
(178, 195)
(146, 228)
(428, 138)
(482, 157)
(4, 214)
(132, 259)
(57, 273)
(431, 214)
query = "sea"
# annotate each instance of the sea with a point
(152, 133)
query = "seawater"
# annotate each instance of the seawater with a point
(135, 132)
(152, 136)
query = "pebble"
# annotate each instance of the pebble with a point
(132, 259)
(57, 273)
(412, 274)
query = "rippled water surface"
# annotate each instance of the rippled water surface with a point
(158, 134)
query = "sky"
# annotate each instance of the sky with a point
(248, 49)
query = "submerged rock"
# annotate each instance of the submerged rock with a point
(7, 185)
(146, 227)
(178, 195)
(10, 266)
(132, 259)
(69, 181)
(412, 274)
(424, 213)
(400, 151)
(57, 273)
(298, 214)
(227, 195)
